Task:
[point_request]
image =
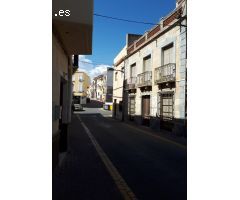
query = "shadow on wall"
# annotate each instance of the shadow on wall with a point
(175, 127)
(94, 104)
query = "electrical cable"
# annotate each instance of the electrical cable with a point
(126, 20)
(94, 63)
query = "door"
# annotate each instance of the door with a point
(146, 106)
(115, 108)
(168, 56)
(146, 109)
(133, 70)
(62, 120)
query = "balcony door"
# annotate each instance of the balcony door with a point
(168, 56)
(147, 63)
(133, 70)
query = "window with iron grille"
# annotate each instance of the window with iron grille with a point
(166, 106)
(131, 105)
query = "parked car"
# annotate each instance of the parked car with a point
(76, 104)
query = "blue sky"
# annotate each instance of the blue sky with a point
(109, 35)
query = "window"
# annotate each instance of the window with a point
(80, 87)
(122, 69)
(132, 70)
(116, 76)
(147, 63)
(168, 56)
(131, 105)
(166, 108)
(81, 77)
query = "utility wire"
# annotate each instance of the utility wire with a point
(94, 63)
(126, 20)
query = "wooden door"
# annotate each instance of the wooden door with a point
(146, 106)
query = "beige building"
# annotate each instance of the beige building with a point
(155, 75)
(71, 35)
(81, 83)
(101, 87)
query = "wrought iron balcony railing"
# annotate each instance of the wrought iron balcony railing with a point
(144, 79)
(165, 73)
(131, 83)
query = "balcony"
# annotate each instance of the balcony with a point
(165, 73)
(131, 83)
(144, 79)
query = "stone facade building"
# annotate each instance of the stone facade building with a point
(155, 67)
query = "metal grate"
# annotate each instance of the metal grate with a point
(165, 73)
(166, 106)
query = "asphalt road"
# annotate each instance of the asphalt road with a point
(153, 168)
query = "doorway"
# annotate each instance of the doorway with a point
(115, 108)
(146, 110)
(62, 123)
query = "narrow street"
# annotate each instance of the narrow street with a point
(102, 149)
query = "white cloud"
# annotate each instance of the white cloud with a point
(99, 69)
(86, 65)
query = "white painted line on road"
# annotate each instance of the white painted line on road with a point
(119, 181)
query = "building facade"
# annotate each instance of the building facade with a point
(101, 87)
(81, 83)
(155, 75)
(64, 46)
(118, 78)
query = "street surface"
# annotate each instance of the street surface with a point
(109, 159)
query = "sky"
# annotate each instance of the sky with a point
(109, 36)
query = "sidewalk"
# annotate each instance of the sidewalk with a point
(82, 175)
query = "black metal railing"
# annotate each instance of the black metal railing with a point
(165, 73)
(144, 79)
(131, 83)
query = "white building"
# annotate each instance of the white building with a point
(155, 75)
